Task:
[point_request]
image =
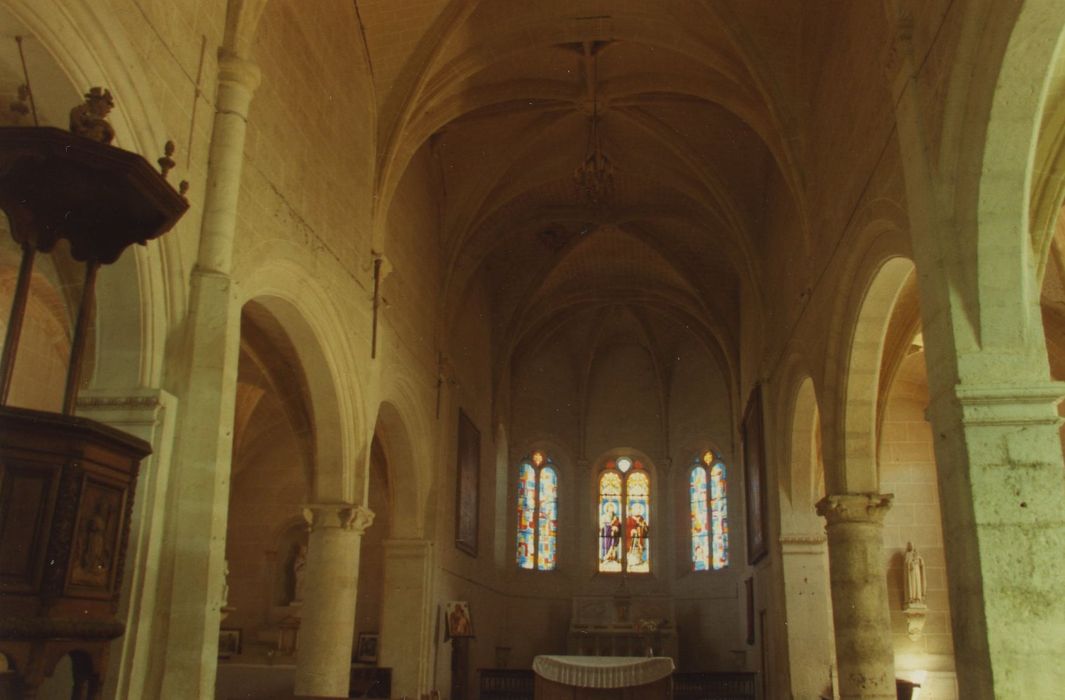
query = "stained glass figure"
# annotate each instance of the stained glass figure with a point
(610, 544)
(637, 522)
(700, 520)
(719, 515)
(526, 545)
(537, 540)
(548, 520)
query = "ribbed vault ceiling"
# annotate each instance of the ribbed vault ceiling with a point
(500, 94)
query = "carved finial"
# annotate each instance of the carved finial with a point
(21, 105)
(183, 187)
(166, 163)
(89, 118)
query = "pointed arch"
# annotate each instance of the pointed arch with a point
(862, 377)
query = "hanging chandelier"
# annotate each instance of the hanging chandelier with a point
(594, 177)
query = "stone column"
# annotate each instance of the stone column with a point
(323, 658)
(406, 615)
(1001, 485)
(205, 430)
(864, 649)
(808, 610)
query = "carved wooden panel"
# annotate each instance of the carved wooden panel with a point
(27, 496)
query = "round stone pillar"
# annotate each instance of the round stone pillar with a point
(864, 650)
(323, 658)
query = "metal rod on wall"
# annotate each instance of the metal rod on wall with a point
(14, 324)
(26, 77)
(77, 347)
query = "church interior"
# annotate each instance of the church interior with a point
(495, 333)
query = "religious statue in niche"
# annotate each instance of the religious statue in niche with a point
(915, 585)
(299, 572)
(89, 119)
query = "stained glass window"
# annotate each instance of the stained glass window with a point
(700, 520)
(624, 517)
(537, 542)
(548, 519)
(709, 514)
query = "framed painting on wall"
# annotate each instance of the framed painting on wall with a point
(753, 436)
(366, 648)
(458, 619)
(229, 642)
(466, 491)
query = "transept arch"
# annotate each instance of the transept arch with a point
(407, 467)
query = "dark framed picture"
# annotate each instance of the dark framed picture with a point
(469, 476)
(753, 436)
(458, 619)
(228, 642)
(366, 648)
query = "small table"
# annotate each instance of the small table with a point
(600, 677)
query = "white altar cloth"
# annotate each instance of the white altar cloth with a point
(603, 671)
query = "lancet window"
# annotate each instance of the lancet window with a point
(537, 545)
(709, 513)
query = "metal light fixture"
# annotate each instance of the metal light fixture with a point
(594, 177)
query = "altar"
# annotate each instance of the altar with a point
(622, 625)
(601, 677)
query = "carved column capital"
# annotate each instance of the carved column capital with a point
(855, 508)
(238, 79)
(342, 516)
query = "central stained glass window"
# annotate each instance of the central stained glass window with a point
(537, 543)
(624, 517)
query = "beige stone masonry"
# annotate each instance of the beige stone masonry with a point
(1001, 484)
(808, 625)
(406, 616)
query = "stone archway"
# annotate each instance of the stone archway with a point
(272, 477)
(862, 379)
